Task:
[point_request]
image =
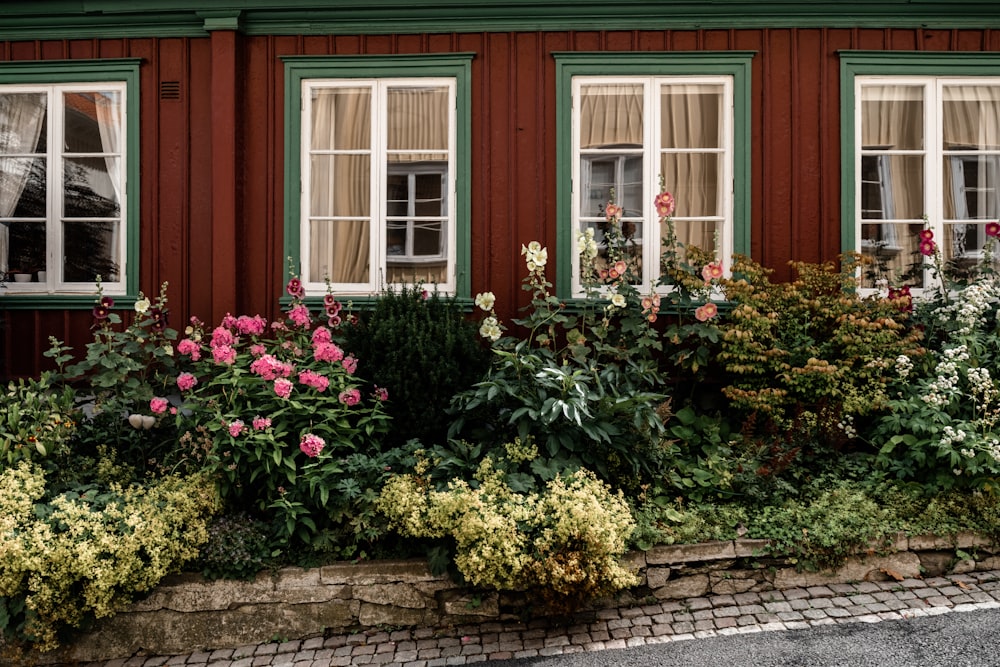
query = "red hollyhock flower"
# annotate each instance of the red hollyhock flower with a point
(993, 229)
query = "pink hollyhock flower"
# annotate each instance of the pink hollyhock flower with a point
(101, 312)
(903, 297)
(927, 248)
(314, 380)
(224, 354)
(327, 352)
(188, 346)
(311, 445)
(158, 405)
(926, 235)
(222, 336)
(333, 322)
(350, 364)
(706, 312)
(329, 300)
(711, 271)
(350, 397)
(993, 229)
(664, 204)
(651, 317)
(321, 335)
(283, 387)
(613, 274)
(186, 381)
(261, 423)
(236, 428)
(424, 294)
(295, 289)
(252, 326)
(299, 314)
(612, 211)
(621, 267)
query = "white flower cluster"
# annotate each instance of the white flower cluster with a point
(969, 307)
(941, 388)
(951, 436)
(904, 366)
(535, 256)
(847, 426)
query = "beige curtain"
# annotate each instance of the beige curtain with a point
(340, 185)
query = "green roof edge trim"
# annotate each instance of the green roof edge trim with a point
(59, 19)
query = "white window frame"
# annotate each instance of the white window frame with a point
(933, 154)
(651, 151)
(54, 214)
(378, 256)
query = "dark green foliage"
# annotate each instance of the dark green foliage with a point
(422, 350)
(237, 548)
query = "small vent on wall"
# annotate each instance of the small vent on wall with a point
(170, 90)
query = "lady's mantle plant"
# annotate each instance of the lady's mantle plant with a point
(293, 433)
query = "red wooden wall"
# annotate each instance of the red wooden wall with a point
(212, 160)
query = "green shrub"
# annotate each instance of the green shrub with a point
(563, 542)
(87, 551)
(421, 349)
(36, 420)
(237, 548)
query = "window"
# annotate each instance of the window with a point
(383, 198)
(635, 120)
(925, 141)
(65, 172)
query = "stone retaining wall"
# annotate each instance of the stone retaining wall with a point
(187, 613)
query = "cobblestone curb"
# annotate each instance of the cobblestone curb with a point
(667, 621)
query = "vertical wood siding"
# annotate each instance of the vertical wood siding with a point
(795, 153)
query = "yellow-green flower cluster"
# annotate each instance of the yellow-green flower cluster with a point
(566, 540)
(88, 554)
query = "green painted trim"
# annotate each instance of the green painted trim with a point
(222, 20)
(890, 63)
(74, 71)
(734, 63)
(456, 65)
(61, 301)
(58, 19)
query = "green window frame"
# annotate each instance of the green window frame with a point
(304, 74)
(879, 175)
(729, 70)
(53, 79)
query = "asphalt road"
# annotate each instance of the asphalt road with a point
(956, 639)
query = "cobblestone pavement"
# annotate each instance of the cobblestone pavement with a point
(668, 621)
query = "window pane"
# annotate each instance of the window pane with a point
(695, 233)
(691, 116)
(340, 185)
(894, 249)
(89, 189)
(604, 173)
(341, 119)
(429, 200)
(25, 248)
(971, 117)
(418, 119)
(694, 180)
(92, 122)
(427, 239)
(22, 187)
(971, 187)
(397, 195)
(339, 251)
(611, 116)
(22, 123)
(90, 249)
(892, 117)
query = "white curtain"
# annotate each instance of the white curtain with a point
(22, 116)
(109, 124)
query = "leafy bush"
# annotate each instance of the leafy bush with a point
(420, 348)
(563, 542)
(237, 548)
(36, 420)
(812, 352)
(282, 411)
(84, 552)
